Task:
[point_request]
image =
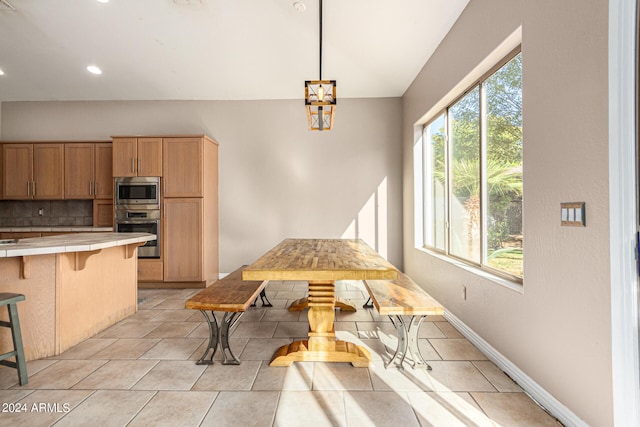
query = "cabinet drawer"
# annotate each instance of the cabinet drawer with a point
(150, 270)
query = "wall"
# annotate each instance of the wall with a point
(557, 328)
(277, 179)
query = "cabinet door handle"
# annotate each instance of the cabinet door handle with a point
(28, 188)
(33, 187)
(133, 165)
(95, 188)
(90, 189)
(138, 164)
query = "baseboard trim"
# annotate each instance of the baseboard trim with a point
(533, 389)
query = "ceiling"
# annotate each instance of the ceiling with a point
(214, 49)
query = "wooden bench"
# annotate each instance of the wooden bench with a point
(233, 296)
(398, 298)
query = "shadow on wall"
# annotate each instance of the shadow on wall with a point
(370, 224)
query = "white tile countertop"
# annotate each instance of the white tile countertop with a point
(79, 242)
(56, 228)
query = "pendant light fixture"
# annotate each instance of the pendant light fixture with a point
(320, 96)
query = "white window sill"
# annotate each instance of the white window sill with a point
(509, 284)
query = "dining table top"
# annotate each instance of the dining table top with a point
(321, 260)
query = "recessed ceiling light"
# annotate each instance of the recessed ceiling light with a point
(94, 69)
(103, 1)
(1, 72)
(299, 6)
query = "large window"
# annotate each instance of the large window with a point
(472, 174)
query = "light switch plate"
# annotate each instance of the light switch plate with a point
(572, 214)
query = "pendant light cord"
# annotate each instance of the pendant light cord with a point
(320, 39)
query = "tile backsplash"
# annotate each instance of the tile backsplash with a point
(34, 213)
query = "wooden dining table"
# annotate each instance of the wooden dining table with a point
(321, 262)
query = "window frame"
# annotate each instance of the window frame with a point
(447, 252)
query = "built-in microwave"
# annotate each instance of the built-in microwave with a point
(138, 192)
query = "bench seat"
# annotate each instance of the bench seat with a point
(398, 298)
(233, 296)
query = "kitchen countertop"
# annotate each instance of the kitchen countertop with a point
(56, 228)
(79, 242)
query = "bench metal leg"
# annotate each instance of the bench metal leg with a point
(220, 335)
(368, 303)
(263, 298)
(407, 342)
(228, 321)
(213, 339)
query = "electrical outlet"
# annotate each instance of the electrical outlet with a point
(463, 292)
(40, 212)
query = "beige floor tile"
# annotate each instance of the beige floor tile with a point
(499, 379)
(430, 330)
(261, 348)
(143, 315)
(340, 376)
(63, 374)
(254, 314)
(172, 330)
(129, 329)
(111, 407)
(228, 377)
(175, 409)
(448, 409)
(457, 376)
(127, 348)
(283, 315)
(173, 349)
(513, 410)
(149, 303)
(230, 409)
(117, 375)
(296, 330)
(9, 376)
(255, 329)
(350, 327)
(12, 396)
(44, 407)
(86, 349)
(448, 330)
(298, 376)
(171, 304)
(173, 315)
(354, 316)
(171, 375)
(325, 408)
(393, 379)
(456, 349)
(379, 409)
(353, 296)
(375, 329)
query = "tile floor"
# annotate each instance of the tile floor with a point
(142, 372)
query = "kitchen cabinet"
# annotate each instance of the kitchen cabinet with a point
(182, 240)
(137, 156)
(183, 165)
(102, 213)
(33, 171)
(88, 169)
(1, 175)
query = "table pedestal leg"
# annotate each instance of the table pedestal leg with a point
(321, 346)
(303, 303)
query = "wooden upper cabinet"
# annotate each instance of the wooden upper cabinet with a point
(48, 171)
(87, 171)
(18, 170)
(137, 156)
(183, 167)
(103, 184)
(79, 162)
(33, 171)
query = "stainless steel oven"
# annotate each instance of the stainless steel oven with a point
(139, 192)
(141, 221)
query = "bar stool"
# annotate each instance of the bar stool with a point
(11, 300)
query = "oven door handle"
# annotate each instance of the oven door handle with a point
(151, 221)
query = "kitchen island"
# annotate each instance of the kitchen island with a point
(75, 285)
